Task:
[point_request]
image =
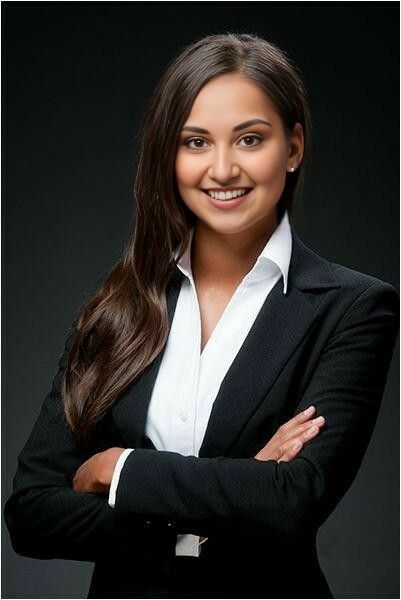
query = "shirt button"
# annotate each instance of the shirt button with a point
(147, 524)
(184, 416)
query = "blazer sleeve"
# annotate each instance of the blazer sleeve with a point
(204, 496)
(45, 517)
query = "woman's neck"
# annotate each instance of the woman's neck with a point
(227, 258)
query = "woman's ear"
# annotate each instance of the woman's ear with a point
(295, 147)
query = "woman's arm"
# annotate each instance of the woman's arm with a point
(208, 495)
(100, 473)
(45, 517)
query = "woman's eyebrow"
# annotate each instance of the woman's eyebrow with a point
(243, 125)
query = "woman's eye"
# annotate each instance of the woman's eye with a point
(198, 143)
(246, 138)
(194, 141)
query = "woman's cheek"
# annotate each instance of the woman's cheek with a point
(188, 170)
(267, 167)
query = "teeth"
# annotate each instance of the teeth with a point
(227, 195)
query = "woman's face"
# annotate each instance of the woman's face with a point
(218, 151)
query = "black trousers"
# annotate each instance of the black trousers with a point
(192, 578)
(189, 578)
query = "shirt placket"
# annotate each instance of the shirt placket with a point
(188, 545)
(187, 410)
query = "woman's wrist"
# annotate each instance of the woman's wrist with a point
(95, 475)
(107, 463)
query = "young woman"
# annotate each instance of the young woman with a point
(217, 393)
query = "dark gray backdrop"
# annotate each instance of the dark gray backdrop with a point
(76, 79)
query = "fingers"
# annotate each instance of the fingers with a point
(305, 415)
(291, 447)
(299, 430)
(291, 453)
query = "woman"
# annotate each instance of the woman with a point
(217, 394)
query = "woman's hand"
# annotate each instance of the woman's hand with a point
(291, 436)
(94, 475)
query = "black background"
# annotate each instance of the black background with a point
(76, 79)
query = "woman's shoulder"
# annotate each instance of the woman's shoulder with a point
(346, 279)
(356, 280)
(362, 307)
(368, 297)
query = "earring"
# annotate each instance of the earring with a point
(292, 169)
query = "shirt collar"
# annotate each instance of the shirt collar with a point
(275, 255)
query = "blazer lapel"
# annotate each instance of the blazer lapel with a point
(281, 324)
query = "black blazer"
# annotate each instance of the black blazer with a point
(329, 343)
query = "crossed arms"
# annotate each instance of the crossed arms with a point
(206, 496)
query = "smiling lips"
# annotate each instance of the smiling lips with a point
(227, 195)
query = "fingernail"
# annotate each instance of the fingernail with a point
(313, 430)
(318, 420)
(309, 410)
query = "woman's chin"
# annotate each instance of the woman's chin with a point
(225, 226)
(238, 224)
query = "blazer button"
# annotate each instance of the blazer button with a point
(147, 524)
(170, 524)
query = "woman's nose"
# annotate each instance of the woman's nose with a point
(223, 167)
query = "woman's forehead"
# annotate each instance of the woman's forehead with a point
(230, 100)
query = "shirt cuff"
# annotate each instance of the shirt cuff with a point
(187, 545)
(116, 475)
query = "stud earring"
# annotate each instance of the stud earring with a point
(292, 169)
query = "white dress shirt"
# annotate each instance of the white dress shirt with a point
(188, 381)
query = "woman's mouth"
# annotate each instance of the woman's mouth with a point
(229, 199)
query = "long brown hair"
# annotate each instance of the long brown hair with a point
(124, 326)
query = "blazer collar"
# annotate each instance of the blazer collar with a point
(282, 323)
(307, 269)
(277, 250)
